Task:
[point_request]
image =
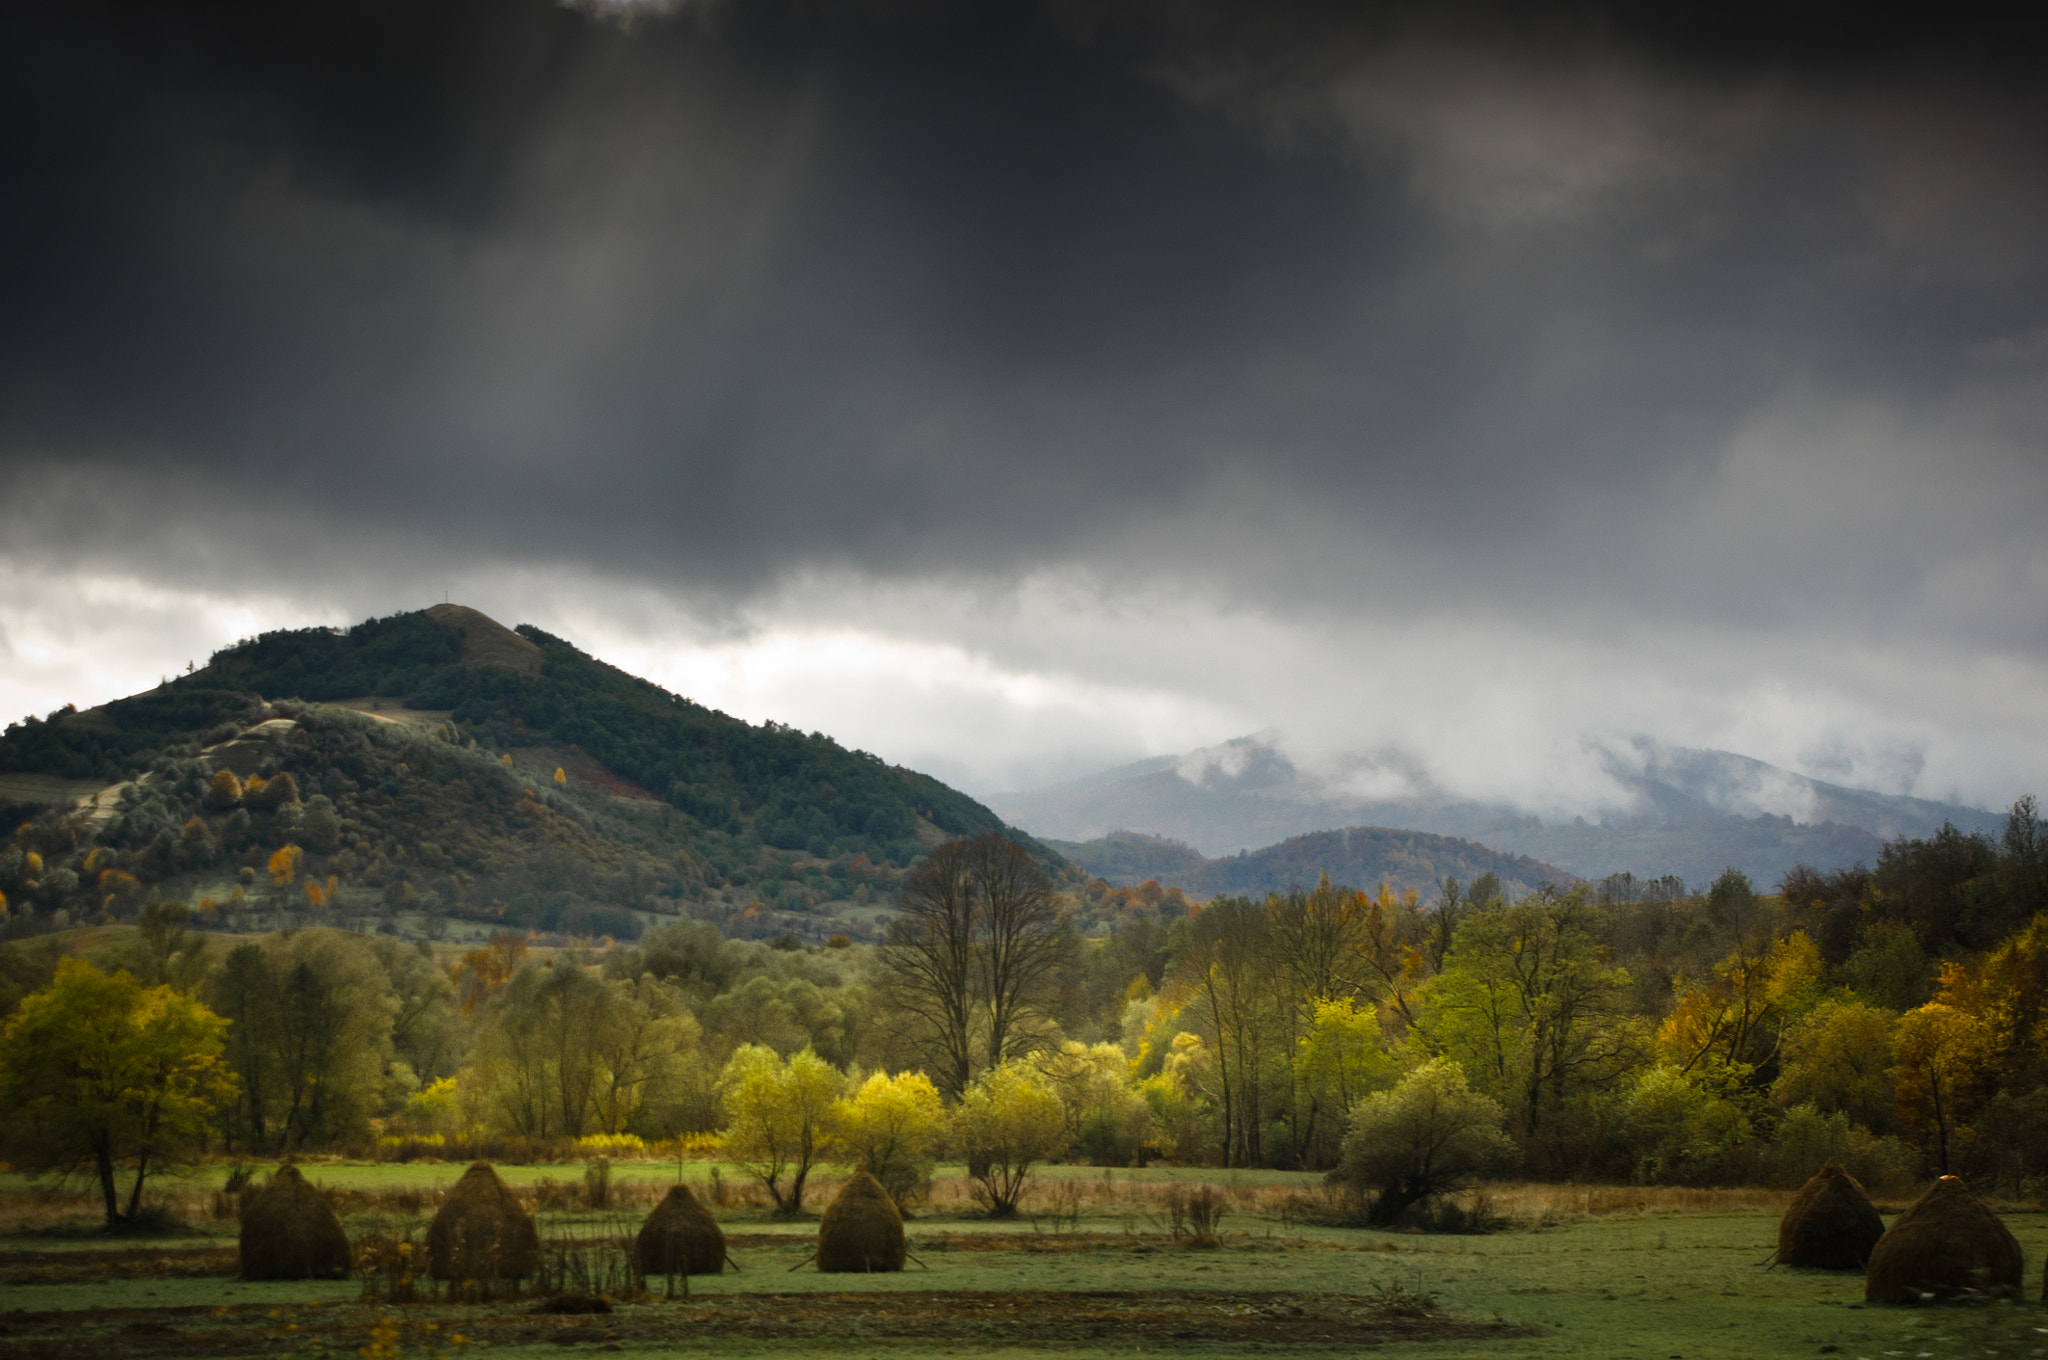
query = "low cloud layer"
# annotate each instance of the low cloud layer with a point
(1016, 389)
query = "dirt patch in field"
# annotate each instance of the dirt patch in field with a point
(1009, 1318)
(93, 1267)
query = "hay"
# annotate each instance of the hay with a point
(680, 1238)
(482, 1232)
(1948, 1244)
(862, 1230)
(290, 1233)
(1830, 1224)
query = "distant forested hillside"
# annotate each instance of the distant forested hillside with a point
(1363, 857)
(793, 791)
(438, 761)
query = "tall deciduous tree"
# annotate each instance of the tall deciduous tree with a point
(1228, 973)
(972, 954)
(103, 1074)
(1529, 1007)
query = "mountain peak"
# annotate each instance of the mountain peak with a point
(485, 641)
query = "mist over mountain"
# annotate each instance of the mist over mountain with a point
(1671, 810)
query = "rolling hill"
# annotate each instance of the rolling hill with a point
(438, 762)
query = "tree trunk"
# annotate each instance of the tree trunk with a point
(1392, 1202)
(103, 1164)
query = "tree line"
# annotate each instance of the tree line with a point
(1889, 1017)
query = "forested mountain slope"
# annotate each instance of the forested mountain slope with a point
(436, 761)
(1364, 856)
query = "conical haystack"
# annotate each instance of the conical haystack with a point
(1947, 1244)
(482, 1232)
(862, 1230)
(290, 1233)
(1830, 1225)
(680, 1238)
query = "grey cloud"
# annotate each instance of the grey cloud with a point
(1585, 318)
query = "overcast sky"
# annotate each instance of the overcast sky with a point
(1019, 387)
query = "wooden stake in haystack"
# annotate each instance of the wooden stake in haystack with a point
(290, 1233)
(1830, 1224)
(680, 1238)
(1948, 1244)
(862, 1230)
(482, 1233)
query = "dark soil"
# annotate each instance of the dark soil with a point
(1019, 1317)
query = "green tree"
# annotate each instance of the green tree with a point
(1009, 1121)
(1425, 1138)
(778, 1118)
(1838, 1060)
(311, 1044)
(100, 1072)
(1339, 1061)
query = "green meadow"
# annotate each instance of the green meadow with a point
(1094, 1268)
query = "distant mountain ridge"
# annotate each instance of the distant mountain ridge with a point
(1694, 813)
(1361, 856)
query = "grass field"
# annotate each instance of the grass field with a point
(1580, 1271)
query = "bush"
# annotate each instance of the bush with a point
(1422, 1140)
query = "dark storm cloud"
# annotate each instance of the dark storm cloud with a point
(1437, 304)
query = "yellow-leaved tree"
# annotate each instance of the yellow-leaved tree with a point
(778, 1118)
(892, 1128)
(105, 1076)
(1008, 1121)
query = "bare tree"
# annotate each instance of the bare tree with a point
(1022, 938)
(978, 939)
(929, 974)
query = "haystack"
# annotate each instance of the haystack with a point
(680, 1238)
(290, 1233)
(862, 1230)
(1948, 1243)
(1830, 1225)
(482, 1232)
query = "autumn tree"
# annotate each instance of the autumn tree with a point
(891, 1128)
(1942, 1079)
(1010, 1120)
(103, 1075)
(778, 1118)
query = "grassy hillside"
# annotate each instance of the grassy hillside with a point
(1361, 856)
(422, 752)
